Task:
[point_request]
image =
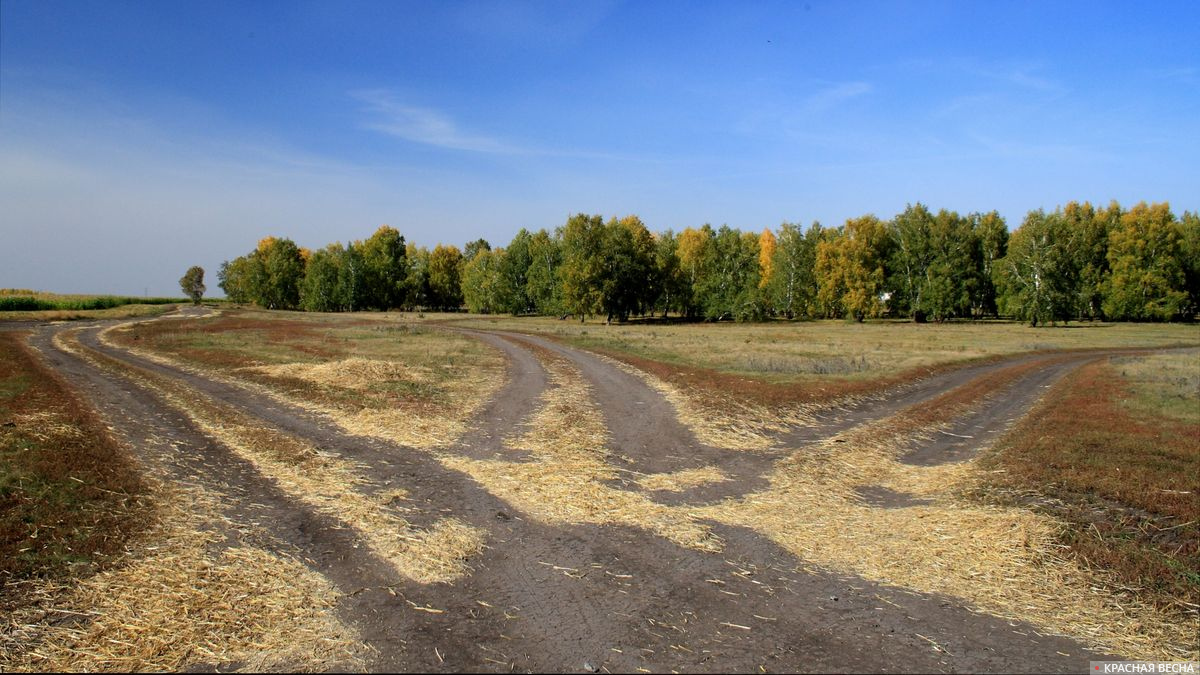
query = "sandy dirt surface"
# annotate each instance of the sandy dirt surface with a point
(573, 597)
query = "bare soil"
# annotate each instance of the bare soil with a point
(586, 598)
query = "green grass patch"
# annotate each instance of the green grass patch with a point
(13, 386)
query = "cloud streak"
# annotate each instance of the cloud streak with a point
(833, 96)
(425, 126)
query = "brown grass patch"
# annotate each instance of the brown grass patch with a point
(70, 496)
(1125, 482)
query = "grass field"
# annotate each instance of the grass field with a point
(813, 360)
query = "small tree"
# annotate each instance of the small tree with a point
(192, 283)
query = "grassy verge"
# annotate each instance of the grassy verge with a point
(1114, 453)
(70, 497)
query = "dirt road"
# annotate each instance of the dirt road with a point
(545, 597)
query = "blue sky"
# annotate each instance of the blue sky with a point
(139, 138)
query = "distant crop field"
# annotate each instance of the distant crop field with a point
(22, 300)
(19, 304)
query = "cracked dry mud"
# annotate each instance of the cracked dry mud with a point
(565, 597)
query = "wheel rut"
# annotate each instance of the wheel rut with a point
(558, 597)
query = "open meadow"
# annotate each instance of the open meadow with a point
(401, 491)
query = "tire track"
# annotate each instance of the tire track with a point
(552, 598)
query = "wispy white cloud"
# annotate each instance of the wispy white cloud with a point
(1189, 75)
(1032, 149)
(424, 125)
(1020, 76)
(832, 96)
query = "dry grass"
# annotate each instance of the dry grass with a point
(682, 481)
(353, 373)
(1166, 385)
(182, 600)
(374, 375)
(328, 484)
(565, 481)
(1005, 561)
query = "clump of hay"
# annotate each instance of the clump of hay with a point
(681, 481)
(565, 483)
(328, 484)
(183, 600)
(725, 421)
(355, 373)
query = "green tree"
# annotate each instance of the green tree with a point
(192, 283)
(445, 286)
(912, 254)
(1189, 227)
(284, 267)
(319, 289)
(1035, 278)
(473, 249)
(727, 287)
(628, 281)
(514, 274)
(542, 283)
(583, 265)
(792, 288)
(1088, 236)
(1145, 254)
(482, 285)
(385, 268)
(241, 277)
(417, 287)
(952, 273)
(674, 292)
(991, 237)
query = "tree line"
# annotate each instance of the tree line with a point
(1077, 262)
